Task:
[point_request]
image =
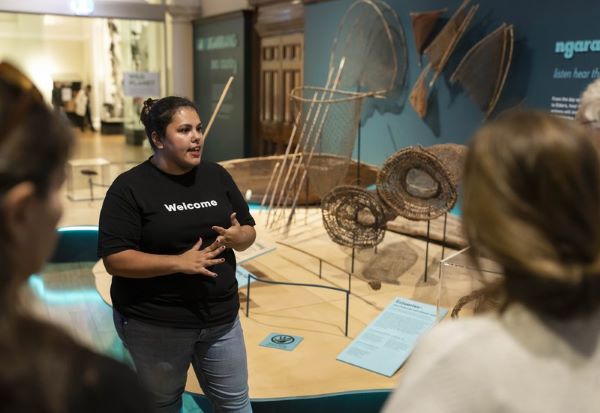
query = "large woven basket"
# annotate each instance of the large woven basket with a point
(416, 185)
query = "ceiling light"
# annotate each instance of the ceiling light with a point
(82, 7)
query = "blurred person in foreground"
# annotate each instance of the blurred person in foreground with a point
(532, 204)
(42, 369)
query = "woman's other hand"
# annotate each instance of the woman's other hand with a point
(238, 237)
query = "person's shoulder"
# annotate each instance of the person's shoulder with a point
(453, 347)
(444, 370)
(462, 334)
(465, 328)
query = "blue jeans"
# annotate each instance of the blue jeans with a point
(162, 356)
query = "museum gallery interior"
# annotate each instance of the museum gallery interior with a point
(345, 125)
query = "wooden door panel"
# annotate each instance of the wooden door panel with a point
(281, 70)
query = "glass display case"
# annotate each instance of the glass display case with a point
(461, 283)
(137, 72)
(89, 179)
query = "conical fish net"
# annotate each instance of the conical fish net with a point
(483, 70)
(445, 42)
(371, 39)
(423, 24)
(439, 51)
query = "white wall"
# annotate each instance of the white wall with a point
(46, 47)
(64, 48)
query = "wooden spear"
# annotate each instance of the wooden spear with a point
(218, 107)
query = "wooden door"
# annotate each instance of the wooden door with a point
(281, 64)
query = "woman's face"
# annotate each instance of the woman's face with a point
(181, 148)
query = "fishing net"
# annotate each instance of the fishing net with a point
(423, 24)
(420, 92)
(445, 42)
(482, 71)
(371, 39)
(353, 217)
(439, 51)
(368, 59)
(367, 56)
(416, 185)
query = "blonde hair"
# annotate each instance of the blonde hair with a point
(532, 203)
(589, 105)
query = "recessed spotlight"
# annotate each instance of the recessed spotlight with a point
(82, 7)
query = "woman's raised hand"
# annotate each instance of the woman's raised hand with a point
(231, 236)
(197, 261)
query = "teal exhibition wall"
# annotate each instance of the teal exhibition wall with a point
(221, 49)
(557, 53)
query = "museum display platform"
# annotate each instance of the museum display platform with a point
(309, 377)
(317, 315)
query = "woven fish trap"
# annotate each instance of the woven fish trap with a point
(353, 217)
(327, 130)
(416, 185)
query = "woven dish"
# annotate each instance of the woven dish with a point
(415, 184)
(353, 217)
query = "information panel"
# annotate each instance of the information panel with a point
(385, 344)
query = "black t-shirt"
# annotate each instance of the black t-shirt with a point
(148, 210)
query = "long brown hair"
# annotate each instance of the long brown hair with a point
(44, 370)
(34, 144)
(532, 203)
